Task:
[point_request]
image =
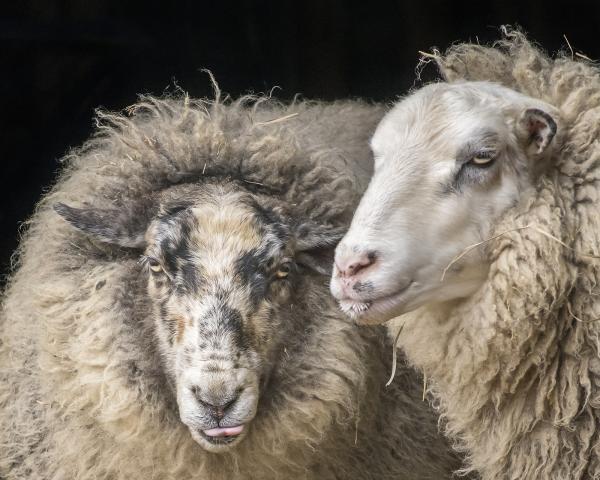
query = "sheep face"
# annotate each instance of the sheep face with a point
(449, 160)
(221, 270)
(217, 272)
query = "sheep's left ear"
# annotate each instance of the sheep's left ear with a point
(315, 246)
(536, 128)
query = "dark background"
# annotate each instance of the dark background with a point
(62, 59)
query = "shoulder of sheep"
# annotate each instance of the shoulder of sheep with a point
(541, 297)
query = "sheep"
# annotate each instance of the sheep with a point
(480, 231)
(169, 314)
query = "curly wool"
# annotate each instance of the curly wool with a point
(82, 393)
(516, 367)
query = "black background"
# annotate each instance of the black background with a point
(62, 59)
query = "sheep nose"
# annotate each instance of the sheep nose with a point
(216, 405)
(349, 263)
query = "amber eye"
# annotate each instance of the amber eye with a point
(483, 159)
(154, 265)
(283, 271)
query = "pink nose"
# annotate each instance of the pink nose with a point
(350, 263)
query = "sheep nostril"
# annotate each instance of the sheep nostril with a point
(219, 412)
(218, 407)
(350, 265)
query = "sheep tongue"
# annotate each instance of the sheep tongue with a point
(224, 432)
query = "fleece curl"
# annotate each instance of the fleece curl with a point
(82, 391)
(516, 367)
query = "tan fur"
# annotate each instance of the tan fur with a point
(516, 367)
(82, 393)
(181, 324)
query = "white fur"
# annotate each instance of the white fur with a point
(406, 216)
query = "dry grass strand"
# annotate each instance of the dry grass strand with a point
(394, 357)
(537, 229)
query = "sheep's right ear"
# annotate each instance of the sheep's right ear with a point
(118, 227)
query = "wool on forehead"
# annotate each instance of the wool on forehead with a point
(296, 152)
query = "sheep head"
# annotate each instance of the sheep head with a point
(222, 266)
(450, 159)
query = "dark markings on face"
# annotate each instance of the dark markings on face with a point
(363, 287)
(267, 220)
(176, 254)
(222, 323)
(484, 141)
(254, 269)
(484, 144)
(251, 268)
(232, 324)
(190, 276)
(176, 249)
(174, 208)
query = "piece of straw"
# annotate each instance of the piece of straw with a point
(428, 55)
(277, 120)
(552, 237)
(394, 357)
(585, 57)
(579, 319)
(569, 45)
(475, 245)
(537, 229)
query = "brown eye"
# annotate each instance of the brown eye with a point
(154, 265)
(283, 271)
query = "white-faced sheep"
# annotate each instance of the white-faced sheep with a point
(482, 222)
(174, 324)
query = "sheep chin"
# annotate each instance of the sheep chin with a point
(354, 309)
(382, 309)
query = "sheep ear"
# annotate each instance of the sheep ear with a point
(124, 228)
(536, 128)
(315, 246)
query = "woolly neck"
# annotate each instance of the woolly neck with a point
(515, 368)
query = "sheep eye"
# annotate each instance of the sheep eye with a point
(154, 265)
(483, 159)
(283, 271)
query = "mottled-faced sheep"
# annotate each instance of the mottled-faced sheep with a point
(482, 222)
(176, 323)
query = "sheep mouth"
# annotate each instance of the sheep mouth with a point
(373, 311)
(217, 439)
(222, 433)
